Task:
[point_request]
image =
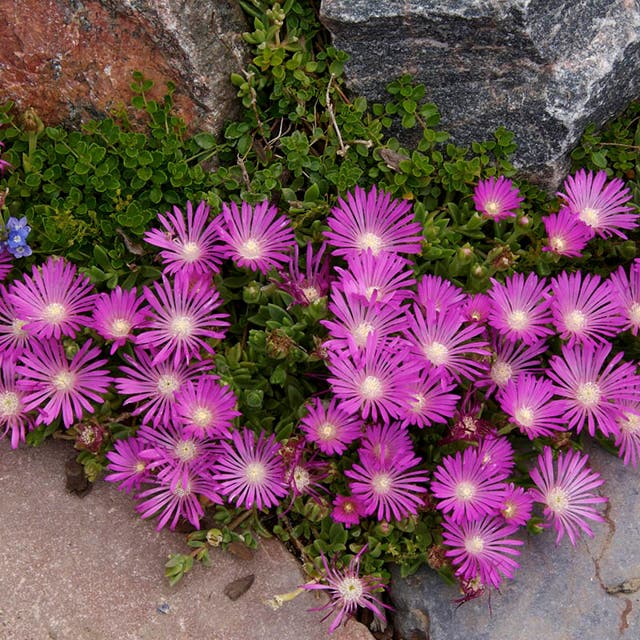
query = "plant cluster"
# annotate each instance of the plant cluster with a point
(305, 329)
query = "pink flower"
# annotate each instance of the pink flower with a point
(372, 221)
(516, 505)
(347, 510)
(13, 337)
(497, 198)
(192, 247)
(566, 234)
(626, 295)
(330, 427)
(628, 435)
(14, 418)
(385, 444)
(126, 465)
(566, 491)
(599, 204)
(306, 288)
(256, 238)
(6, 262)
(439, 293)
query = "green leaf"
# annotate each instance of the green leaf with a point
(205, 140)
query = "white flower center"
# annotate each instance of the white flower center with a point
(369, 291)
(351, 589)
(16, 328)
(509, 510)
(371, 241)
(167, 384)
(301, 478)
(63, 381)
(634, 313)
(590, 217)
(474, 545)
(250, 249)
(371, 388)
(465, 491)
(311, 294)
(524, 416)
(361, 332)
(518, 320)
(492, 207)
(54, 312)
(180, 491)
(417, 403)
(557, 499)
(120, 327)
(326, 431)
(190, 251)
(201, 417)
(501, 373)
(255, 472)
(9, 404)
(436, 352)
(588, 394)
(181, 326)
(382, 483)
(185, 450)
(575, 321)
(629, 422)
(557, 243)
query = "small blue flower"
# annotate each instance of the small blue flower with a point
(21, 251)
(15, 224)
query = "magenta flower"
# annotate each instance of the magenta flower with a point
(306, 288)
(385, 444)
(583, 308)
(116, 314)
(356, 319)
(529, 403)
(466, 488)
(372, 221)
(496, 456)
(430, 400)
(6, 262)
(390, 491)
(517, 505)
(594, 391)
(66, 387)
(347, 510)
(330, 427)
(476, 308)
(566, 234)
(54, 301)
(256, 238)
(599, 204)
(439, 293)
(348, 591)
(626, 295)
(373, 381)
(191, 247)
(497, 199)
(14, 417)
(520, 309)
(442, 342)
(566, 491)
(628, 435)
(482, 550)
(13, 337)
(182, 319)
(384, 279)
(251, 472)
(177, 500)
(126, 465)
(154, 386)
(206, 408)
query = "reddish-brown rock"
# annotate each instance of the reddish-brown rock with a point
(73, 60)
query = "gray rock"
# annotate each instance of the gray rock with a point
(541, 68)
(591, 592)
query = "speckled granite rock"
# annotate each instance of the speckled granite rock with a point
(542, 68)
(559, 593)
(90, 569)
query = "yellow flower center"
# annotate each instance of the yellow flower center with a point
(492, 208)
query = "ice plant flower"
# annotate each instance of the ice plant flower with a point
(384, 444)
(13, 337)
(599, 204)
(520, 307)
(566, 489)
(529, 403)
(4, 164)
(312, 285)
(206, 408)
(57, 387)
(250, 472)
(55, 301)
(191, 246)
(126, 465)
(256, 237)
(329, 426)
(626, 295)
(476, 308)
(116, 314)
(14, 418)
(566, 234)
(628, 436)
(439, 293)
(496, 456)
(391, 491)
(584, 308)
(6, 262)
(517, 505)
(465, 488)
(497, 198)
(372, 221)
(181, 319)
(373, 381)
(483, 549)
(348, 590)
(347, 510)
(593, 391)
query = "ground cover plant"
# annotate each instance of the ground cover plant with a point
(378, 351)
